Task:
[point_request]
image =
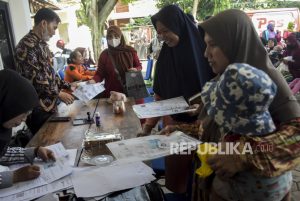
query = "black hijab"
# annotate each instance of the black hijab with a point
(180, 70)
(17, 96)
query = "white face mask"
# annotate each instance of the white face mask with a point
(46, 36)
(115, 42)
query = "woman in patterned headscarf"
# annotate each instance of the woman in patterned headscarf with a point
(242, 45)
(239, 104)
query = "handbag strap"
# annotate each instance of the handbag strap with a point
(116, 70)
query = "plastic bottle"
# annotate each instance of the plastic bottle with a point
(97, 119)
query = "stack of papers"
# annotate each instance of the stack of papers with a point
(53, 177)
(99, 181)
(86, 92)
(152, 147)
(33, 193)
(162, 108)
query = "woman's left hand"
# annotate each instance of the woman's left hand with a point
(226, 165)
(45, 154)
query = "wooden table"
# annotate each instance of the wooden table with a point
(72, 136)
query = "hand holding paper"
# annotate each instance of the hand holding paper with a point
(86, 92)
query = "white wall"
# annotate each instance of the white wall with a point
(20, 18)
(140, 8)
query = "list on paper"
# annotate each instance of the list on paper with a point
(50, 172)
(33, 193)
(161, 108)
(86, 92)
(58, 150)
(150, 147)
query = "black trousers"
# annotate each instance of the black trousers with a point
(36, 119)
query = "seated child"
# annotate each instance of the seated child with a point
(75, 70)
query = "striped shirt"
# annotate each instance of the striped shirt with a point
(14, 155)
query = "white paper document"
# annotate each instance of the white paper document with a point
(86, 92)
(33, 193)
(58, 150)
(99, 181)
(49, 172)
(71, 156)
(151, 147)
(161, 108)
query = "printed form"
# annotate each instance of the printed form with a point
(162, 108)
(86, 92)
(33, 193)
(150, 147)
(49, 172)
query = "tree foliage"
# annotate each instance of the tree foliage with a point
(94, 14)
(211, 7)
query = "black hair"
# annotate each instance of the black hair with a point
(72, 56)
(46, 14)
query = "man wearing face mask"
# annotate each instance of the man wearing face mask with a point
(33, 58)
(114, 61)
(292, 51)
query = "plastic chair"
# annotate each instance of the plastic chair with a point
(61, 73)
(149, 69)
(158, 166)
(148, 77)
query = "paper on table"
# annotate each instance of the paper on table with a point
(33, 193)
(150, 147)
(58, 150)
(161, 108)
(3, 168)
(71, 156)
(102, 180)
(49, 172)
(86, 92)
(55, 170)
(48, 197)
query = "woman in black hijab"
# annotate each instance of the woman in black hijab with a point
(17, 98)
(181, 70)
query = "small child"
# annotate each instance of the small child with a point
(239, 103)
(75, 70)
